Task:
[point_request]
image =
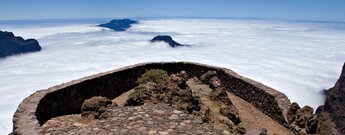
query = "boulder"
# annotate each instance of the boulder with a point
(302, 115)
(291, 115)
(11, 45)
(167, 39)
(227, 109)
(180, 79)
(95, 107)
(119, 24)
(205, 78)
(311, 125)
(215, 82)
(231, 112)
(220, 95)
(241, 130)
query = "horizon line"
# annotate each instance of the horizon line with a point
(181, 17)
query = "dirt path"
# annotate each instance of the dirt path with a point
(254, 119)
(121, 100)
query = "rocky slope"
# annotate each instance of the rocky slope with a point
(11, 45)
(119, 24)
(335, 103)
(167, 39)
(328, 119)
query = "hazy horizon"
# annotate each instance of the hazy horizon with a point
(317, 10)
(106, 19)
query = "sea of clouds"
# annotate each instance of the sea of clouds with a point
(299, 59)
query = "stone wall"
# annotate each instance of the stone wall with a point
(67, 98)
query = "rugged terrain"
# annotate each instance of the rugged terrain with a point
(334, 107)
(11, 45)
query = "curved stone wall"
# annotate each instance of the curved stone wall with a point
(67, 98)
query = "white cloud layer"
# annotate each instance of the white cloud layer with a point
(297, 58)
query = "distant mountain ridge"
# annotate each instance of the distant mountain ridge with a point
(11, 45)
(167, 39)
(119, 24)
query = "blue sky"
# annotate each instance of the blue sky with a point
(323, 10)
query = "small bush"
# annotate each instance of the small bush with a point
(135, 92)
(153, 75)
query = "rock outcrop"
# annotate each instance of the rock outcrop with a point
(119, 24)
(95, 107)
(325, 125)
(167, 39)
(329, 119)
(304, 121)
(335, 102)
(291, 116)
(11, 45)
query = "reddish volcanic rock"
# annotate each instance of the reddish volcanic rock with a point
(95, 107)
(292, 112)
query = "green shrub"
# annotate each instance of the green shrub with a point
(135, 92)
(158, 76)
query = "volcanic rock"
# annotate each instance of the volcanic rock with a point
(119, 24)
(227, 109)
(302, 116)
(180, 79)
(291, 116)
(241, 130)
(302, 121)
(215, 82)
(191, 96)
(95, 107)
(311, 125)
(175, 92)
(231, 112)
(205, 78)
(167, 39)
(219, 94)
(335, 102)
(11, 45)
(325, 125)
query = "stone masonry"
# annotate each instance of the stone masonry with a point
(68, 98)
